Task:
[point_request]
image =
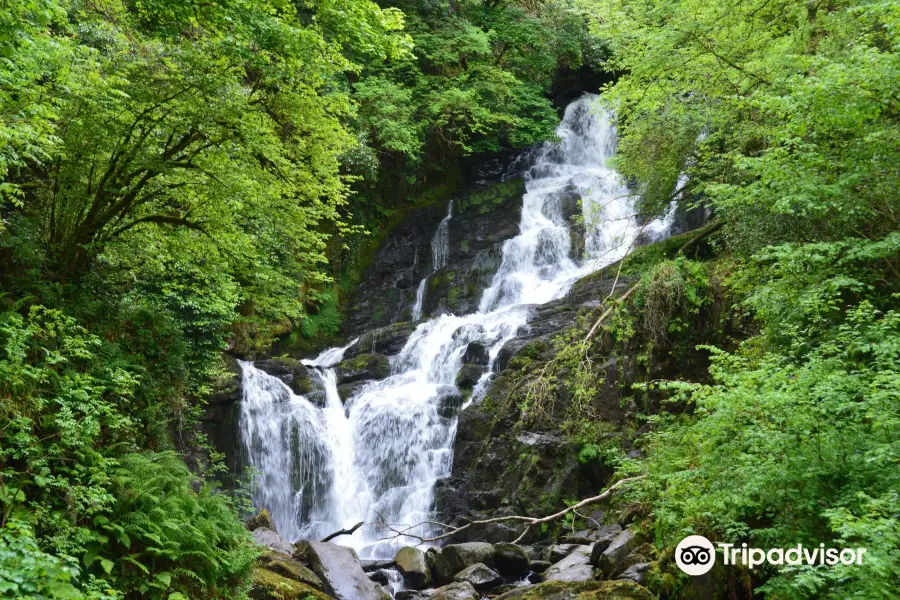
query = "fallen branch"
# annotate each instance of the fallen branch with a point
(529, 521)
(350, 531)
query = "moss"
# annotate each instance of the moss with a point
(268, 585)
(487, 198)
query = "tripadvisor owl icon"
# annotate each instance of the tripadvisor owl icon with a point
(695, 555)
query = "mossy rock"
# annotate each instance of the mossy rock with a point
(291, 569)
(580, 590)
(262, 519)
(268, 585)
(489, 197)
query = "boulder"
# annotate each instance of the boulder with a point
(511, 560)
(621, 546)
(363, 367)
(268, 585)
(480, 576)
(641, 554)
(637, 572)
(411, 562)
(579, 590)
(574, 567)
(289, 370)
(290, 568)
(262, 519)
(557, 552)
(460, 590)
(539, 566)
(468, 376)
(340, 571)
(271, 540)
(605, 536)
(452, 559)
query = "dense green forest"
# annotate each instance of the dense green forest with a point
(182, 178)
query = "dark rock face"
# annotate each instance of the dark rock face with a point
(605, 537)
(388, 340)
(483, 218)
(637, 573)
(261, 519)
(468, 376)
(220, 418)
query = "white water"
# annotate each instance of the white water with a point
(440, 252)
(379, 456)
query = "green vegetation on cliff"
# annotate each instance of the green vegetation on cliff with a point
(175, 177)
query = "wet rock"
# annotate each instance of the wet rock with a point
(289, 370)
(511, 560)
(452, 559)
(340, 571)
(574, 567)
(449, 402)
(639, 555)
(480, 576)
(580, 590)
(409, 595)
(290, 568)
(348, 390)
(381, 576)
(461, 590)
(268, 585)
(637, 572)
(363, 367)
(605, 537)
(468, 376)
(388, 340)
(262, 519)
(412, 564)
(620, 547)
(271, 540)
(476, 354)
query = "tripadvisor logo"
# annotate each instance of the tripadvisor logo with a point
(695, 555)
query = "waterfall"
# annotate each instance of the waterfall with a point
(440, 252)
(420, 298)
(440, 243)
(379, 455)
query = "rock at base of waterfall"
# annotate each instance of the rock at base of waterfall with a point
(637, 572)
(480, 576)
(557, 552)
(511, 560)
(602, 541)
(574, 567)
(620, 547)
(271, 540)
(268, 585)
(340, 571)
(290, 568)
(450, 560)
(411, 562)
(461, 590)
(468, 376)
(579, 590)
(539, 566)
(262, 519)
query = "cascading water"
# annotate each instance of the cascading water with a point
(440, 252)
(378, 456)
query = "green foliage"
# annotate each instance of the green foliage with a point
(783, 117)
